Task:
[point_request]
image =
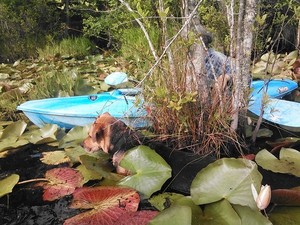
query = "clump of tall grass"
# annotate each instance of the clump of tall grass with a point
(181, 120)
(53, 84)
(77, 47)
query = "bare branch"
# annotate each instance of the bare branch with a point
(143, 29)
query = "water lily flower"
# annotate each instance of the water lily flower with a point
(263, 198)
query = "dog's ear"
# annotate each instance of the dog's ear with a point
(97, 132)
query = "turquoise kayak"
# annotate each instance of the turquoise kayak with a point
(274, 109)
(68, 112)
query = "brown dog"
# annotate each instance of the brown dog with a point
(113, 137)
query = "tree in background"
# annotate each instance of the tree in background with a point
(165, 40)
(24, 26)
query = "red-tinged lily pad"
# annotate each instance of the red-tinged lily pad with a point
(62, 182)
(288, 197)
(107, 204)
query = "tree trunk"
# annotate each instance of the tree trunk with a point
(196, 78)
(241, 32)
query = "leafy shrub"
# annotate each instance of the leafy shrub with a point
(23, 27)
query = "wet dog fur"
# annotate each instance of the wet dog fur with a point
(115, 138)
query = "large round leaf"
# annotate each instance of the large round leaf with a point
(8, 183)
(227, 178)
(285, 216)
(15, 129)
(288, 162)
(220, 213)
(175, 215)
(249, 216)
(44, 135)
(149, 171)
(106, 204)
(74, 137)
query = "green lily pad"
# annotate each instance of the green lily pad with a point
(227, 178)
(55, 158)
(250, 217)
(164, 200)
(88, 174)
(8, 183)
(100, 166)
(149, 171)
(11, 143)
(44, 135)
(285, 215)
(14, 129)
(220, 212)
(288, 162)
(74, 154)
(175, 215)
(74, 137)
(196, 210)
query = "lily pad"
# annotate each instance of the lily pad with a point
(250, 217)
(100, 166)
(8, 183)
(44, 135)
(12, 142)
(149, 171)
(283, 215)
(55, 157)
(164, 200)
(14, 129)
(136, 218)
(88, 174)
(220, 212)
(227, 178)
(106, 204)
(74, 137)
(288, 162)
(175, 215)
(62, 182)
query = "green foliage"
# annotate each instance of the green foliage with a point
(233, 182)
(213, 17)
(8, 183)
(287, 162)
(23, 27)
(149, 171)
(276, 25)
(53, 84)
(68, 47)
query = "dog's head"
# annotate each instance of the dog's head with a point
(101, 133)
(113, 137)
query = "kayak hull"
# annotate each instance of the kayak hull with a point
(127, 105)
(68, 112)
(275, 109)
